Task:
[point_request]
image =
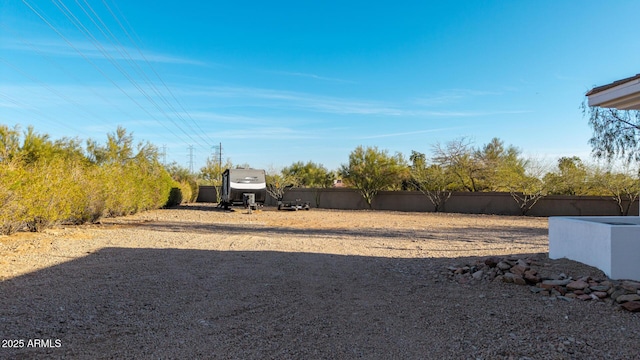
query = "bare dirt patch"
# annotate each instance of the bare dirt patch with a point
(204, 283)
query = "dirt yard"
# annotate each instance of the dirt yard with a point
(198, 282)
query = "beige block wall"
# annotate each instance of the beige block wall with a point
(460, 202)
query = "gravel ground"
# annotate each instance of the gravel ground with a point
(197, 282)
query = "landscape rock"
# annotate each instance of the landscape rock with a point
(524, 271)
(577, 285)
(633, 306)
(617, 293)
(509, 277)
(531, 276)
(491, 262)
(600, 294)
(519, 269)
(519, 280)
(604, 288)
(633, 286)
(627, 298)
(548, 284)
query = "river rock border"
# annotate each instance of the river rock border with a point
(624, 294)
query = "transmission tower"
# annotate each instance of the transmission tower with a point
(191, 159)
(217, 155)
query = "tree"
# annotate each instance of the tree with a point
(479, 169)
(278, 183)
(9, 144)
(119, 149)
(310, 175)
(571, 177)
(371, 170)
(498, 165)
(527, 187)
(616, 133)
(433, 181)
(623, 187)
(457, 156)
(211, 174)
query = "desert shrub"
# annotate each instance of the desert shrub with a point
(130, 188)
(43, 183)
(151, 187)
(175, 197)
(193, 187)
(186, 190)
(12, 210)
(185, 180)
(53, 192)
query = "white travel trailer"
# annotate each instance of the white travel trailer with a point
(246, 187)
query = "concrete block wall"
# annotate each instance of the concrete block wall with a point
(460, 202)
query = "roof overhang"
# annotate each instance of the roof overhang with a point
(622, 94)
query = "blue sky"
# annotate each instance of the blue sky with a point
(279, 82)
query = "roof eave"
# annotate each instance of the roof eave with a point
(623, 96)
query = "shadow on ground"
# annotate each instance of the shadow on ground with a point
(168, 303)
(468, 234)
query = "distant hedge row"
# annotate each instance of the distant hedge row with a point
(57, 183)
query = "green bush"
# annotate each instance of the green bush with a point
(175, 197)
(12, 210)
(44, 183)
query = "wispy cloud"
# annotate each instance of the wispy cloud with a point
(267, 133)
(312, 76)
(407, 133)
(452, 96)
(60, 48)
(270, 98)
(288, 99)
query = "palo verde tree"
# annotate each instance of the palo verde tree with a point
(622, 186)
(488, 168)
(457, 156)
(279, 182)
(211, 174)
(498, 165)
(371, 170)
(526, 187)
(310, 175)
(432, 180)
(570, 178)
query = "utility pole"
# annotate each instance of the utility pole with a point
(164, 154)
(191, 159)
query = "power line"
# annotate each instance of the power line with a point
(61, 68)
(23, 107)
(135, 44)
(87, 33)
(125, 54)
